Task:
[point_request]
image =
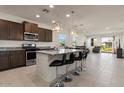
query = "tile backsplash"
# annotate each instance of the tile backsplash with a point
(10, 43)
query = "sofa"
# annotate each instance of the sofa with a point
(96, 49)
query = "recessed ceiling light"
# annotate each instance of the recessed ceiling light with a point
(51, 6)
(67, 15)
(53, 21)
(37, 15)
(107, 28)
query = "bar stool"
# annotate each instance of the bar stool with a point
(79, 58)
(85, 53)
(57, 63)
(67, 77)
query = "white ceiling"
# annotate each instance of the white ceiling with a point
(95, 19)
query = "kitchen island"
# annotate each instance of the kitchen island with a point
(45, 57)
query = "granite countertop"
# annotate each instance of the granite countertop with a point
(57, 52)
(10, 48)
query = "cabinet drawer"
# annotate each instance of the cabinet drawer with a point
(4, 53)
(17, 52)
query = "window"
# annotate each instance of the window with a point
(62, 38)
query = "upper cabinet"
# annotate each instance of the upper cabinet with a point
(41, 33)
(34, 28)
(16, 31)
(30, 27)
(10, 30)
(45, 35)
(4, 30)
(48, 35)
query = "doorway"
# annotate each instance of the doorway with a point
(107, 45)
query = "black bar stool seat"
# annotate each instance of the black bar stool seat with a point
(57, 63)
(79, 58)
(68, 78)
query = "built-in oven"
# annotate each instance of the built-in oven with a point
(30, 57)
(30, 36)
(30, 53)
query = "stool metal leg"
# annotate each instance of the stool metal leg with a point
(84, 65)
(80, 67)
(58, 83)
(76, 73)
(67, 77)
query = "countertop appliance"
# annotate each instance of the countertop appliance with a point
(30, 53)
(30, 36)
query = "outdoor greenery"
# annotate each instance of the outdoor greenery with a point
(106, 47)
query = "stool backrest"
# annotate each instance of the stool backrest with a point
(80, 54)
(72, 57)
(85, 54)
(64, 58)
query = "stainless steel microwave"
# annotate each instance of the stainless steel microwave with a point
(30, 36)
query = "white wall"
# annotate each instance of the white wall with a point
(121, 37)
(81, 38)
(97, 43)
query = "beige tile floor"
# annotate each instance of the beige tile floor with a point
(103, 70)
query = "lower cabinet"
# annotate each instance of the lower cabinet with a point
(4, 60)
(17, 58)
(12, 59)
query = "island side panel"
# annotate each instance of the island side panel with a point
(42, 66)
(61, 69)
(43, 70)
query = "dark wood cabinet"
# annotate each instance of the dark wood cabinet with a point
(4, 30)
(34, 28)
(119, 53)
(10, 30)
(48, 34)
(12, 59)
(41, 33)
(45, 35)
(30, 27)
(17, 58)
(16, 31)
(27, 26)
(4, 60)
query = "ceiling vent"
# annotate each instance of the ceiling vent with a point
(81, 24)
(46, 11)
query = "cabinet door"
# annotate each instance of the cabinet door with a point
(17, 58)
(48, 35)
(34, 28)
(30, 27)
(4, 30)
(41, 33)
(4, 60)
(16, 31)
(27, 27)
